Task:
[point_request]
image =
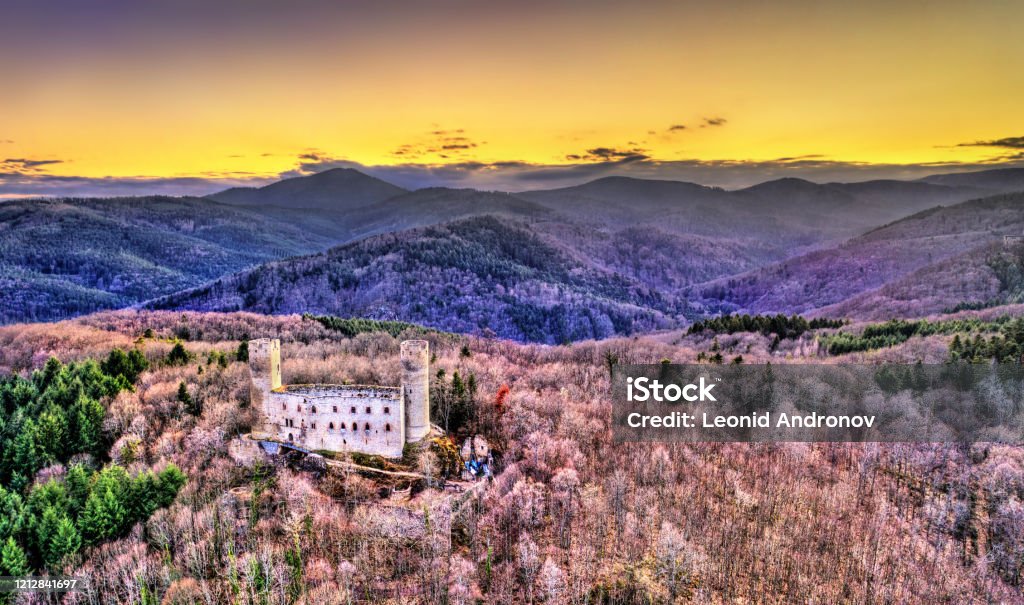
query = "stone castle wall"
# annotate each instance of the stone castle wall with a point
(353, 418)
(339, 418)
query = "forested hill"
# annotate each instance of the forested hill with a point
(938, 259)
(477, 275)
(339, 189)
(66, 257)
(781, 246)
(60, 258)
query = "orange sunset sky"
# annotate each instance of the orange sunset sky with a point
(187, 97)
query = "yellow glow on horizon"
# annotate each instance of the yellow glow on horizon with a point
(882, 85)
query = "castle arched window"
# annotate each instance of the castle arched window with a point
(290, 437)
(368, 410)
(387, 410)
(387, 428)
(367, 427)
(330, 426)
(314, 409)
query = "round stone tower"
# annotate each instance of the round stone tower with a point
(416, 388)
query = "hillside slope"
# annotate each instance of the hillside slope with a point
(787, 214)
(939, 258)
(481, 274)
(990, 275)
(65, 257)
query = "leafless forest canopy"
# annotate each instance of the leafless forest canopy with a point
(570, 518)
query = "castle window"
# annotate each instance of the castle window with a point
(298, 408)
(387, 410)
(313, 426)
(367, 427)
(330, 426)
(314, 409)
(368, 410)
(353, 410)
(387, 428)
(284, 406)
(335, 408)
(290, 437)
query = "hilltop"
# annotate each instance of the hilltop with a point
(336, 189)
(482, 274)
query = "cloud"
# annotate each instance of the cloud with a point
(442, 143)
(1008, 142)
(13, 166)
(674, 128)
(605, 161)
(714, 122)
(606, 154)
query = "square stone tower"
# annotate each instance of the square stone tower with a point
(265, 364)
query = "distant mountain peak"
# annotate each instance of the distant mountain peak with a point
(995, 179)
(333, 189)
(786, 182)
(339, 172)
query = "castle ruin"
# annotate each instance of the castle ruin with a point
(368, 419)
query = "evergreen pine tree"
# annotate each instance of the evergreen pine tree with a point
(178, 355)
(89, 425)
(26, 453)
(169, 481)
(96, 521)
(956, 348)
(64, 542)
(11, 513)
(46, 529)
(52, 435)
(13, 561)
(190, 405)
(76, 483)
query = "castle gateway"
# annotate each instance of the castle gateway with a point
(344, 418)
